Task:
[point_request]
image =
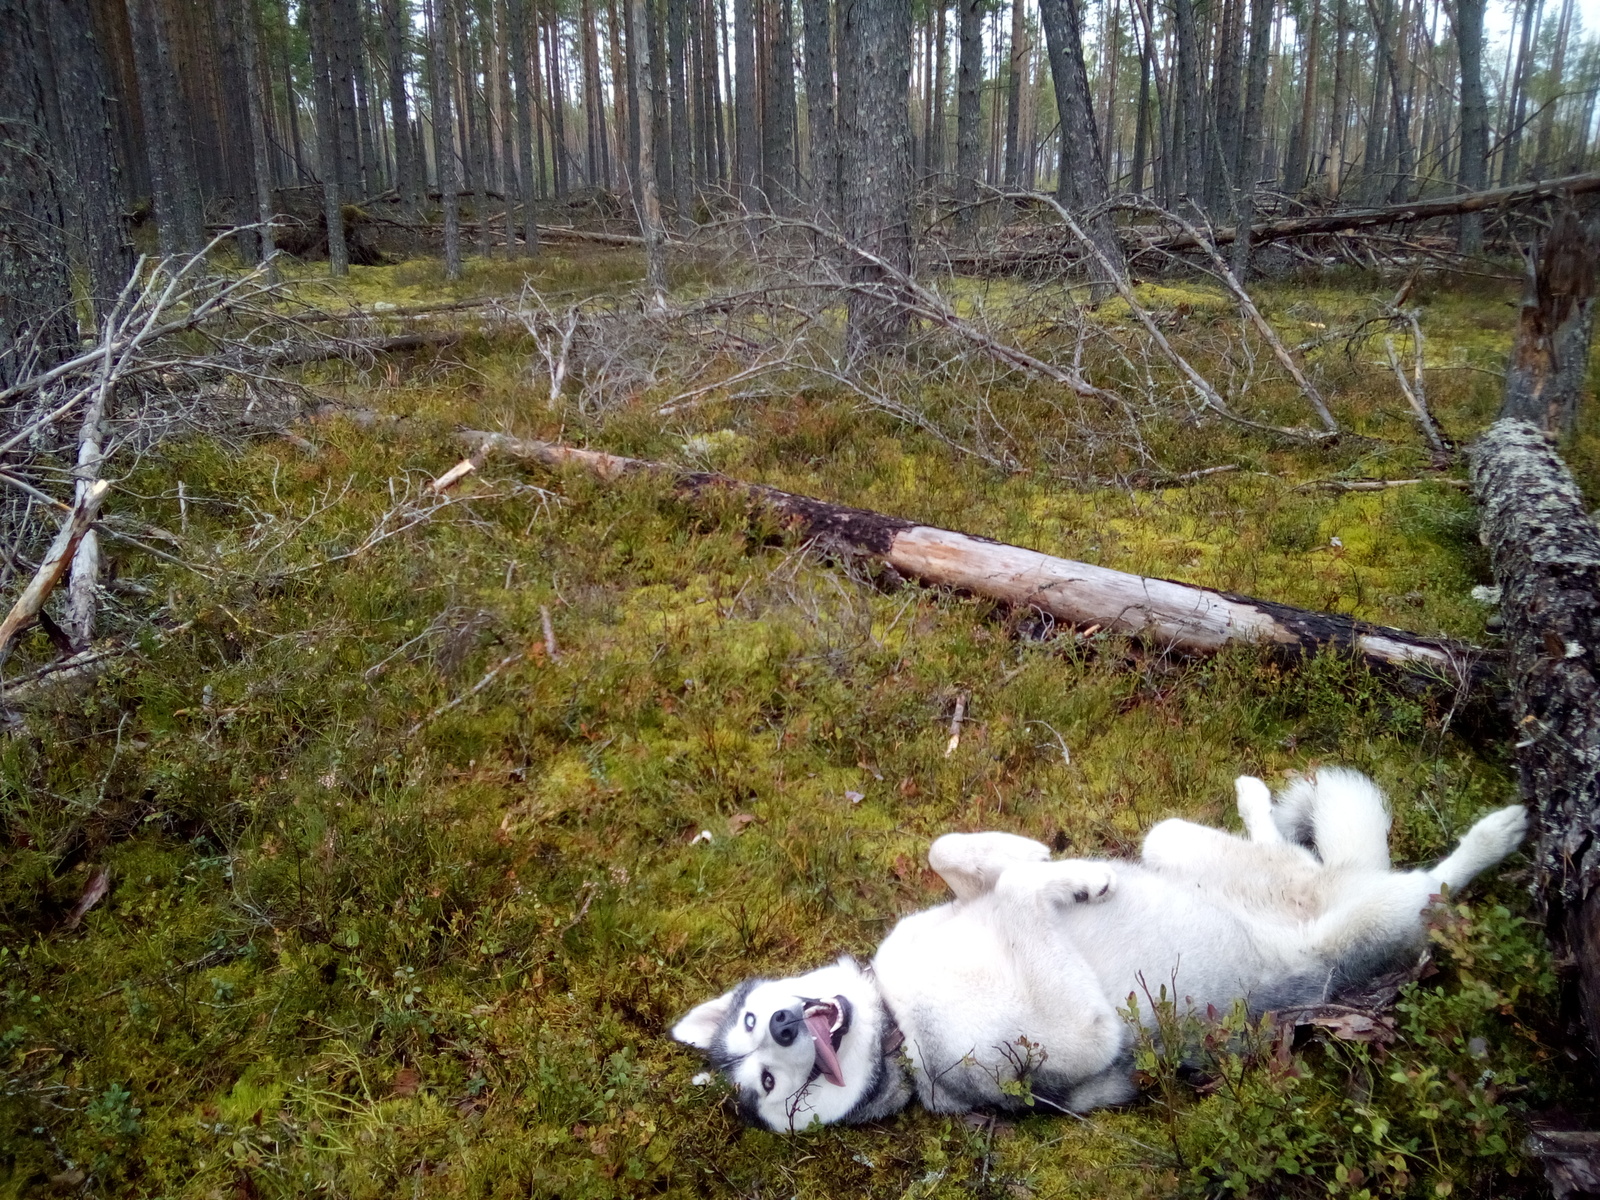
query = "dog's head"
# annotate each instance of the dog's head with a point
(812, 1049)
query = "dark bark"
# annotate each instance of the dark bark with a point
(1190, 156)
(245, 22)
(1550, 357)
(1250, 139)
(683, 159)
(36, 324)
(778, 128)
(1300, 144)
(1545, 551)
(875, 177)
(820, 108)
(1083, 181)
(1018, 67)
(328, 158)
(1473, 170)
(969, 112)
(396, 27)
(747, 140)
(646, 199)
(517, 12)
(439, 85)
(85, 152)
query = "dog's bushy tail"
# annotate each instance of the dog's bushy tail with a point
(1339, 814)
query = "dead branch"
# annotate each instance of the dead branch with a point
(55, 564)
(1161, 613)
(1209, 395)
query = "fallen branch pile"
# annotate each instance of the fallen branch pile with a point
(1159, 613)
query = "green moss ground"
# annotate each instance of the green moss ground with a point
(340, 958)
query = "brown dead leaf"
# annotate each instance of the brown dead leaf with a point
(406, 1082)
(738, 821)
(98, 886)
(1345, 1023)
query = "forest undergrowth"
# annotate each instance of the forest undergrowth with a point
(374, 930)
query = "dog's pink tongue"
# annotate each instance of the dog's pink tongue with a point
(822, 1035)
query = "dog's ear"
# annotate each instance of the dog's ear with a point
(699, 1026)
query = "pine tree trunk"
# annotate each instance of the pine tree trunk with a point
(246, 26)
(747, 139)
(1082, 185)
(683, 157)
(439, 88)
(875, 138)
(1250, 143)
(969, 113)
(660, 106)
(517, 14)
(1017, 68)
(1294, 176)
(86, 156)
(779, 128)
(328, 157)
(1191, 102)
(36, 325)
(820, 115)
(649, 204)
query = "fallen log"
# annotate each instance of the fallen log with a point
(309, 352)
(1545, 551)
(1160, 613)
(1418, 210)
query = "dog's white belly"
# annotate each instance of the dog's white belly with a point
(986, 990)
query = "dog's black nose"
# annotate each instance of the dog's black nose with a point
(786, 1025)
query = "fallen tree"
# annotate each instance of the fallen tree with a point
(1545, 550)
(1160, 613)
(1392, 214)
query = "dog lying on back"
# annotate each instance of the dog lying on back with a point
(1022, 974)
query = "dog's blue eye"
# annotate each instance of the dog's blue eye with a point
(767, 1081)
(750, 1020)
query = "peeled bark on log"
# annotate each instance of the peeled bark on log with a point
(1157, 612)
(1545, 550)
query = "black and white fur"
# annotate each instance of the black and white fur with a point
(1023, 972)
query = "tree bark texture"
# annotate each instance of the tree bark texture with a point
(1082, 187)
(875, 131)
(328, 141)
(36, 321)
(1160, 613)
(969, 81)
(820, 109)
(443, 137)
(1549, 362)
(1545, 550)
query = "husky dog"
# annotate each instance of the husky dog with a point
(1014, 986)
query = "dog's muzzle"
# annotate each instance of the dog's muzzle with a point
(827, 1021)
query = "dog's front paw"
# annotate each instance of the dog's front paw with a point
(1255, 809)
(1070, 881)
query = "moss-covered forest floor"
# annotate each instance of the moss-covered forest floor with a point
(354, 946)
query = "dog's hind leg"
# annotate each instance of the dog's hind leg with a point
(971, 862)
(1486, 843)
(1255, 810)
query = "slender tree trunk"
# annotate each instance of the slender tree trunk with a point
(747, 140)
(1082, 186)
(969, 113)
(1341, 95)
(779, 129)
(660, 105)
(683, 158)
(246, 24)
(396, 26)
(1510, 161)
(1250, 143)
(517, 15)
(639, 66)
(444, 153)
(328, 140)
(1191, 102)
(820, 115)
(875, 176)
(1547, 118)
(1018, 68)
(1300, 148)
